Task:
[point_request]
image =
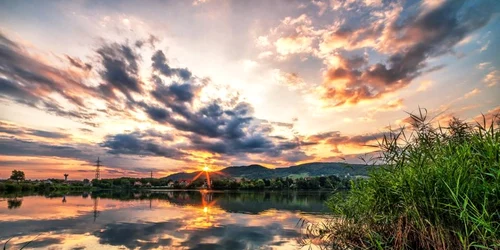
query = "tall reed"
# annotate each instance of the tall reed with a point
(435, 188)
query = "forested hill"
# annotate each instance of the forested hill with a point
(303, 170)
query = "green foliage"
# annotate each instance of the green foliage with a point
(125, 183)
(40, 187)
(17, 175)
(439, 188)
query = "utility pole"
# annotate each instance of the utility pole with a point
(151, 174)
(97, 170)
(96, 206)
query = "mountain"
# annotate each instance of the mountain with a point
(303, 170)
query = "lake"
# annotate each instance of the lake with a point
(159, 220)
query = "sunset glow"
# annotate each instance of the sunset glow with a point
(231, 83)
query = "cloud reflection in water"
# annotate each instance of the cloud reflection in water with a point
(194, 220)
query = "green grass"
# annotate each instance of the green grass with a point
(438, 188)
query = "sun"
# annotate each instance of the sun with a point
(206, 169)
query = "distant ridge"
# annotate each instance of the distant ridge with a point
(256, 171)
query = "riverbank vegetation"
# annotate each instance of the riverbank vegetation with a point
(27, 186)
(439, 188)
(125, 183)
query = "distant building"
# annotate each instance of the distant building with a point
(170, 184)
(148, 184)
(137, 184)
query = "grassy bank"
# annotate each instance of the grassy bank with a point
(439, 188)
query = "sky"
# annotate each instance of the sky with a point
(168, 86)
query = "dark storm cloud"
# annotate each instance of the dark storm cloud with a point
(17, 92)
(158, 114)
(160, 64)
(253, 144)
(410, 41)
(48, 134)
(175, 95)
(296, 156)
(18, 147)
(120, 70)
(212, 128)
(137, 144)
(181, 92)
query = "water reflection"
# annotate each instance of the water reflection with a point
(192, 220)
(14, 203)
(96, 205)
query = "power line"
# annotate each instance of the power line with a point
(97, 169)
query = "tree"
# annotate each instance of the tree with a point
(125, 183)
(17, 175)
(259, 184)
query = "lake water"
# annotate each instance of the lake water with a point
(159, 220)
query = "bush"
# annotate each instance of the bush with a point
(439, 188)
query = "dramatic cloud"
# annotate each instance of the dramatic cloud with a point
(27, 80)
(406, 38)
(20, 131)
(118, 91)
(222, 129)
(18, 147)
(120, 70)
(135, 144)
(431, 33)
(336, 139)
(160, 64)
